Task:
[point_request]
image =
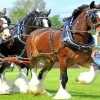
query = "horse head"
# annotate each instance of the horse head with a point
(93, 18)
(4, 23)
(41, 19)
(88, 19)
(36, 19)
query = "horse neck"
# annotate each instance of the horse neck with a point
(29, 28)
(79, 24)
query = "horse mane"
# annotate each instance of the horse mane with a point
(79, 10)
(29, 15)
(33, 13)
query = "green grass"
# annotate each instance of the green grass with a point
(78, 91)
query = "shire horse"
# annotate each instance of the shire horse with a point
(4, 26)
(5, 34)
(49, 46)
(16, 47)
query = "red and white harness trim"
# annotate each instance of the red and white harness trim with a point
(14, 59)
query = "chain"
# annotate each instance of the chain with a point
(22, 52)
(46, 53)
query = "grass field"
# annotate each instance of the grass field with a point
(78, 91)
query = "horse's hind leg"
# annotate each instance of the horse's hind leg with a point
(41, 77)
(5, 86)
(38, 82)
(34, 80)
(21, 82)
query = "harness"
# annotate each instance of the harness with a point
(68, 38)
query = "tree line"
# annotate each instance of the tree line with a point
(22, 7)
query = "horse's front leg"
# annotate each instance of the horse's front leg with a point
(62, 92)
(21, 82)
(5, 85)
(89, 76)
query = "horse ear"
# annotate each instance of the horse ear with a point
(36, 11)
(48, 12)
(92, 5)
(4, 11)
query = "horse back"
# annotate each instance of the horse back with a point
(39, 41)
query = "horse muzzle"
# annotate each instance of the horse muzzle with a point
(5, 35)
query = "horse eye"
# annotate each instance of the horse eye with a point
(93, 18)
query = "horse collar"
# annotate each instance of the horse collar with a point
(68, 39)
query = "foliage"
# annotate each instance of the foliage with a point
(22, 7)
(56, 22)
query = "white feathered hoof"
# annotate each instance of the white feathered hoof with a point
(86, 78)
(21, 83)
(45, 93)
(37, 88)
(20, 86)
(39, 92)
(5, 88)
(62, 95)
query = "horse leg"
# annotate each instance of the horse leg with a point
(62, 92)
(37, 83)
(89, 76)
(33, 81)
(41, 78)
(21, 82)
(5, 85)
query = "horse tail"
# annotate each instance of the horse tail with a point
(28, 47)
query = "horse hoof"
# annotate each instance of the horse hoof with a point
(17, 89)
(62, 97)
(76, 80)
(86, 77)
(44, 93)
(6, 92)
(5, 88)
(62, 94)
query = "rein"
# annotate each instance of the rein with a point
(91, 12)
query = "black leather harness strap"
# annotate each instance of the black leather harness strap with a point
(51, 44)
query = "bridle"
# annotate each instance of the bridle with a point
(38, 20)
(69, 33)
(92, 16)
(8, 22)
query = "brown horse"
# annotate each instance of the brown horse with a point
(47, 45)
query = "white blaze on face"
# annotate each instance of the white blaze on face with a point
(98, 28)
(5, 33)
(45, 23)
(98, 13)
